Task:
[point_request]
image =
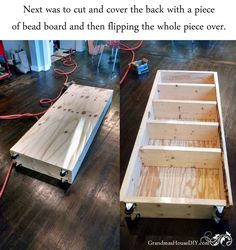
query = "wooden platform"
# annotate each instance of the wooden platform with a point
(57, 144)
(180, 156)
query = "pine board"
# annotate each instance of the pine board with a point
(60, 139)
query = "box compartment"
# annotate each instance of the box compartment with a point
(178, 167)
(186, 77)
(185, 110)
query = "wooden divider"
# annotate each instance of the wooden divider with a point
(185, 110)
(182, 130)
(186, 91)
(186, 77)
(172, 156)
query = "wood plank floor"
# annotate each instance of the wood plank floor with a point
(179, 55)
(35, 213)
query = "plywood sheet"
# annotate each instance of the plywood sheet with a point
(180, 183)
(61, 136)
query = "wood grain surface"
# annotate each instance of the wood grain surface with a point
(169, 180)
(216, 56)
(180, 183)
(61, 134)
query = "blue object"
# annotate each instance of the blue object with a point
(140, 66)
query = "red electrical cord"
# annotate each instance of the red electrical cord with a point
(67, 62)
(6, 179)
(131, 49)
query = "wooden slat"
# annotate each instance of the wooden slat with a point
(132, 174)
(185, 110)
(184, 143)
(63, 134)
(182, 130)
(183, 91)
(170, 156)
(226, 174)
(150, 207)
(187, 77)
(173, 200)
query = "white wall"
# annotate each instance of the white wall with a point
(79, 45)
(14, 45)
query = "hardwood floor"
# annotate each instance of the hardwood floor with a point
(177, 55)
(35, 213)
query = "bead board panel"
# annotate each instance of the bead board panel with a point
(179, 156)
(62, 136)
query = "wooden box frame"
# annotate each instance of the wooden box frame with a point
(58, 142)
(178, 167)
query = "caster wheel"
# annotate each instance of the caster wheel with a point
(18, 167)
(65, 185)
(133, 219)
(218, 216)
(129, 208)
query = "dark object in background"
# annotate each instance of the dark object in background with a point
(4, 71)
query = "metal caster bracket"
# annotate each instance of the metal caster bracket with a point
(218, 214)
(129, 208)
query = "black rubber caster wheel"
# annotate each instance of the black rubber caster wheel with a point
(133, 219)
(18, 167)
(65, 185)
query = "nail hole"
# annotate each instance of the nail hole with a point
(84, 112)
(95, 115)
(59, 107)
